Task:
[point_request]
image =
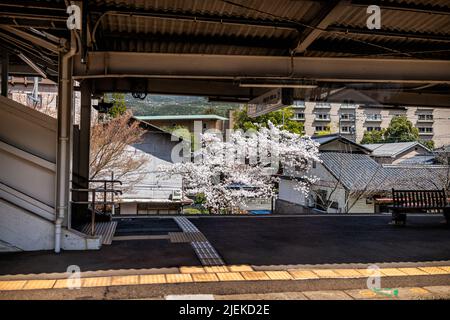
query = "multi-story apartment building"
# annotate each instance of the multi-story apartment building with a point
(353, 120)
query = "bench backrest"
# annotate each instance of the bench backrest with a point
(419, 198)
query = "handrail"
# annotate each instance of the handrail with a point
(94, 202)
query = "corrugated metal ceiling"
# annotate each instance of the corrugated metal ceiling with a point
(158, 34)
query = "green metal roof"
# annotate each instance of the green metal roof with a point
(182, 117)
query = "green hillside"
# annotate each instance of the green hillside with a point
(176, 105)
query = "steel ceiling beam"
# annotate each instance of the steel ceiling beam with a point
(191, 16)
(203, 66)
(222, 88)
(386, 97)
(229, 91)
(327, 17)
(389, 33)
(32, 38)
(412, 7)
(108, 40)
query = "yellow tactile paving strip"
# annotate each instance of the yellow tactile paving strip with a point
(218, 274)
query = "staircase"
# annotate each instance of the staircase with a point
(27, 183)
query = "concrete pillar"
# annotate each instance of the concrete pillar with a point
(5, 67)
(81, 158)
(85, 131)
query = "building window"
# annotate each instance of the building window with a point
(299, 116)
(322, 116)
(345, 129)
(425, 129)
(322, 128)
(373, 117)
(323, 105)
(373, 128)
(426, 117)
(347, 116)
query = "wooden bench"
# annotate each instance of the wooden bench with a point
(416, 201)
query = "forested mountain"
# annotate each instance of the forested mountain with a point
(176, 105)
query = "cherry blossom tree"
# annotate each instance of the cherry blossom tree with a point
(244, 166)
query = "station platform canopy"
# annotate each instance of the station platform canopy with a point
(235, 50)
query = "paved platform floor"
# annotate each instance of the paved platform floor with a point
(134, 254)
(326, 239)
(260, 241)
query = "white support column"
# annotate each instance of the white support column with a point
(63, 161)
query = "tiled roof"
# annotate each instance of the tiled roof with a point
(354, 171)
(419, 160)
(359, 171)
(422, 177)
(392, 149)
(324, 139)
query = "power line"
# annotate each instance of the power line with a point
(338, 34)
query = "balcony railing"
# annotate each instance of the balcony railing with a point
(322, 106)
(425, 120)
(322, 119)
(370, 119)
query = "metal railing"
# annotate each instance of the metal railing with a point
(93, 193)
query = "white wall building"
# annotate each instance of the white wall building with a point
(353, 120)
(350, 180)
(155, 193)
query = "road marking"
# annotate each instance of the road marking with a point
(205, 277)
(124, 280)
(230, 276)
(413, 271)
(254, 275)
(303, 274)
(279, 275)
(326, 273)
(219, 273)
(96, 282)
(178, 278)
(216, 269)
(392, 272)
(12, 285)
(192, 270)
(433, 270)
(349, 273)
(62, 284)
(38, 284)
(152, 279)
(239, 268)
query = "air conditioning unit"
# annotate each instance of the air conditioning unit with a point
(176, 194)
